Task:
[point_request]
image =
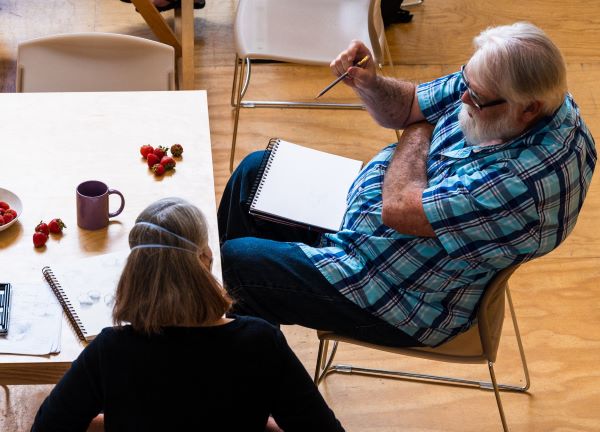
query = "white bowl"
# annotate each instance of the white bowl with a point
(14, 202)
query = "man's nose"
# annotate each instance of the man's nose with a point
(466, 99)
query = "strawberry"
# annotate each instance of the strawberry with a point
(12, 212)
(39, 239)
(145, 149)
(7, 217)
(42, 227)
(4, 205)
(160, 151)
(176, 150)
(167, 162)
(2, 220)
(158, 169)
(152, 159)
(56, 226)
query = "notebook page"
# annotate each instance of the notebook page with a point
(90, 285)
(308, 186)
(35, 322)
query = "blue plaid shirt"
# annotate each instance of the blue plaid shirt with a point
(490, 207)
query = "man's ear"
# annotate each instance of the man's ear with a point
(532, 111)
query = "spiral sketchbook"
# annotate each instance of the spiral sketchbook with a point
(300, 186)
(85, 289)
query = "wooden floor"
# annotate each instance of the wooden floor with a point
(557, 297)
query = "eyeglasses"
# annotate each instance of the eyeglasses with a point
(474, 97)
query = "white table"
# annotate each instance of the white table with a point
(53, 141)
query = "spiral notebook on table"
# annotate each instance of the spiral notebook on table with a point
(85, 289)
(301, 186)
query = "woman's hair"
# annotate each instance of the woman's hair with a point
(164, 282)
(521, 64)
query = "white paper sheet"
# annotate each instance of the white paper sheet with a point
(90, 284)
(307, 186)
(35, 321)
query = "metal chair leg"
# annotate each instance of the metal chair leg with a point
(325, 348)
(7, 390)
(247, 77)
(519, 342)
(319, 365)
(324, 366)
(237, 116)
(497, 394)
(322, 371)
(233, 84)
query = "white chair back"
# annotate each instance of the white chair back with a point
(307, 32)
(94, 62)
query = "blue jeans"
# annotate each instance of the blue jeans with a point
(270, 277)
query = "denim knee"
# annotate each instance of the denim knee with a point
(248, 167)
(240, 254)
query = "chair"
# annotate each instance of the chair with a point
(311, 32)
(479, 344)
(94, 62)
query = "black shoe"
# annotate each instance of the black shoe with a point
(403, 16)
(198, 4)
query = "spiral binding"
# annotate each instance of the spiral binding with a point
(263, 172)
(64, 302)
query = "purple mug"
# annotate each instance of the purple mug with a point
(92, 205)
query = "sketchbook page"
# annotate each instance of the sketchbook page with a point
(90, 284)
(307, 185)
(35, 321)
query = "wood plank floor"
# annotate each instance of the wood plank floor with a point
(557, 297)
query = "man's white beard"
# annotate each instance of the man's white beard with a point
(480, 132)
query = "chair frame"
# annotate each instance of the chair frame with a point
(324, 366)
(241, 80)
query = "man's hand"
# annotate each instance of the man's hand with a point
(391, 102)
(404, 183)
(358, 77)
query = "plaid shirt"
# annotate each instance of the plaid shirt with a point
(490, 207)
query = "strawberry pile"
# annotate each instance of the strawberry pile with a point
(158, 159)
(43, 230)
(6, 213)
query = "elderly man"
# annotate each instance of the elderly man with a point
(492, 170)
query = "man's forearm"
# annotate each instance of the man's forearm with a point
(389, 102)
(404, 182)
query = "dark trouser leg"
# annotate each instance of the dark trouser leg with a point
(277, 282)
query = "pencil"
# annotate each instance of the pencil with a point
(341, 77)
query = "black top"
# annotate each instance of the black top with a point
(228, 377)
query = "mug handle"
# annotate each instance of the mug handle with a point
(118, 212)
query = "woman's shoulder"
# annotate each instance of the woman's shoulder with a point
(113, 335)
(255, 329)
(252, 324)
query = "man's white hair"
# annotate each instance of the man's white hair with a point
(520, 63)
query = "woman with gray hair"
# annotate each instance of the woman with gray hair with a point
(174, 361)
